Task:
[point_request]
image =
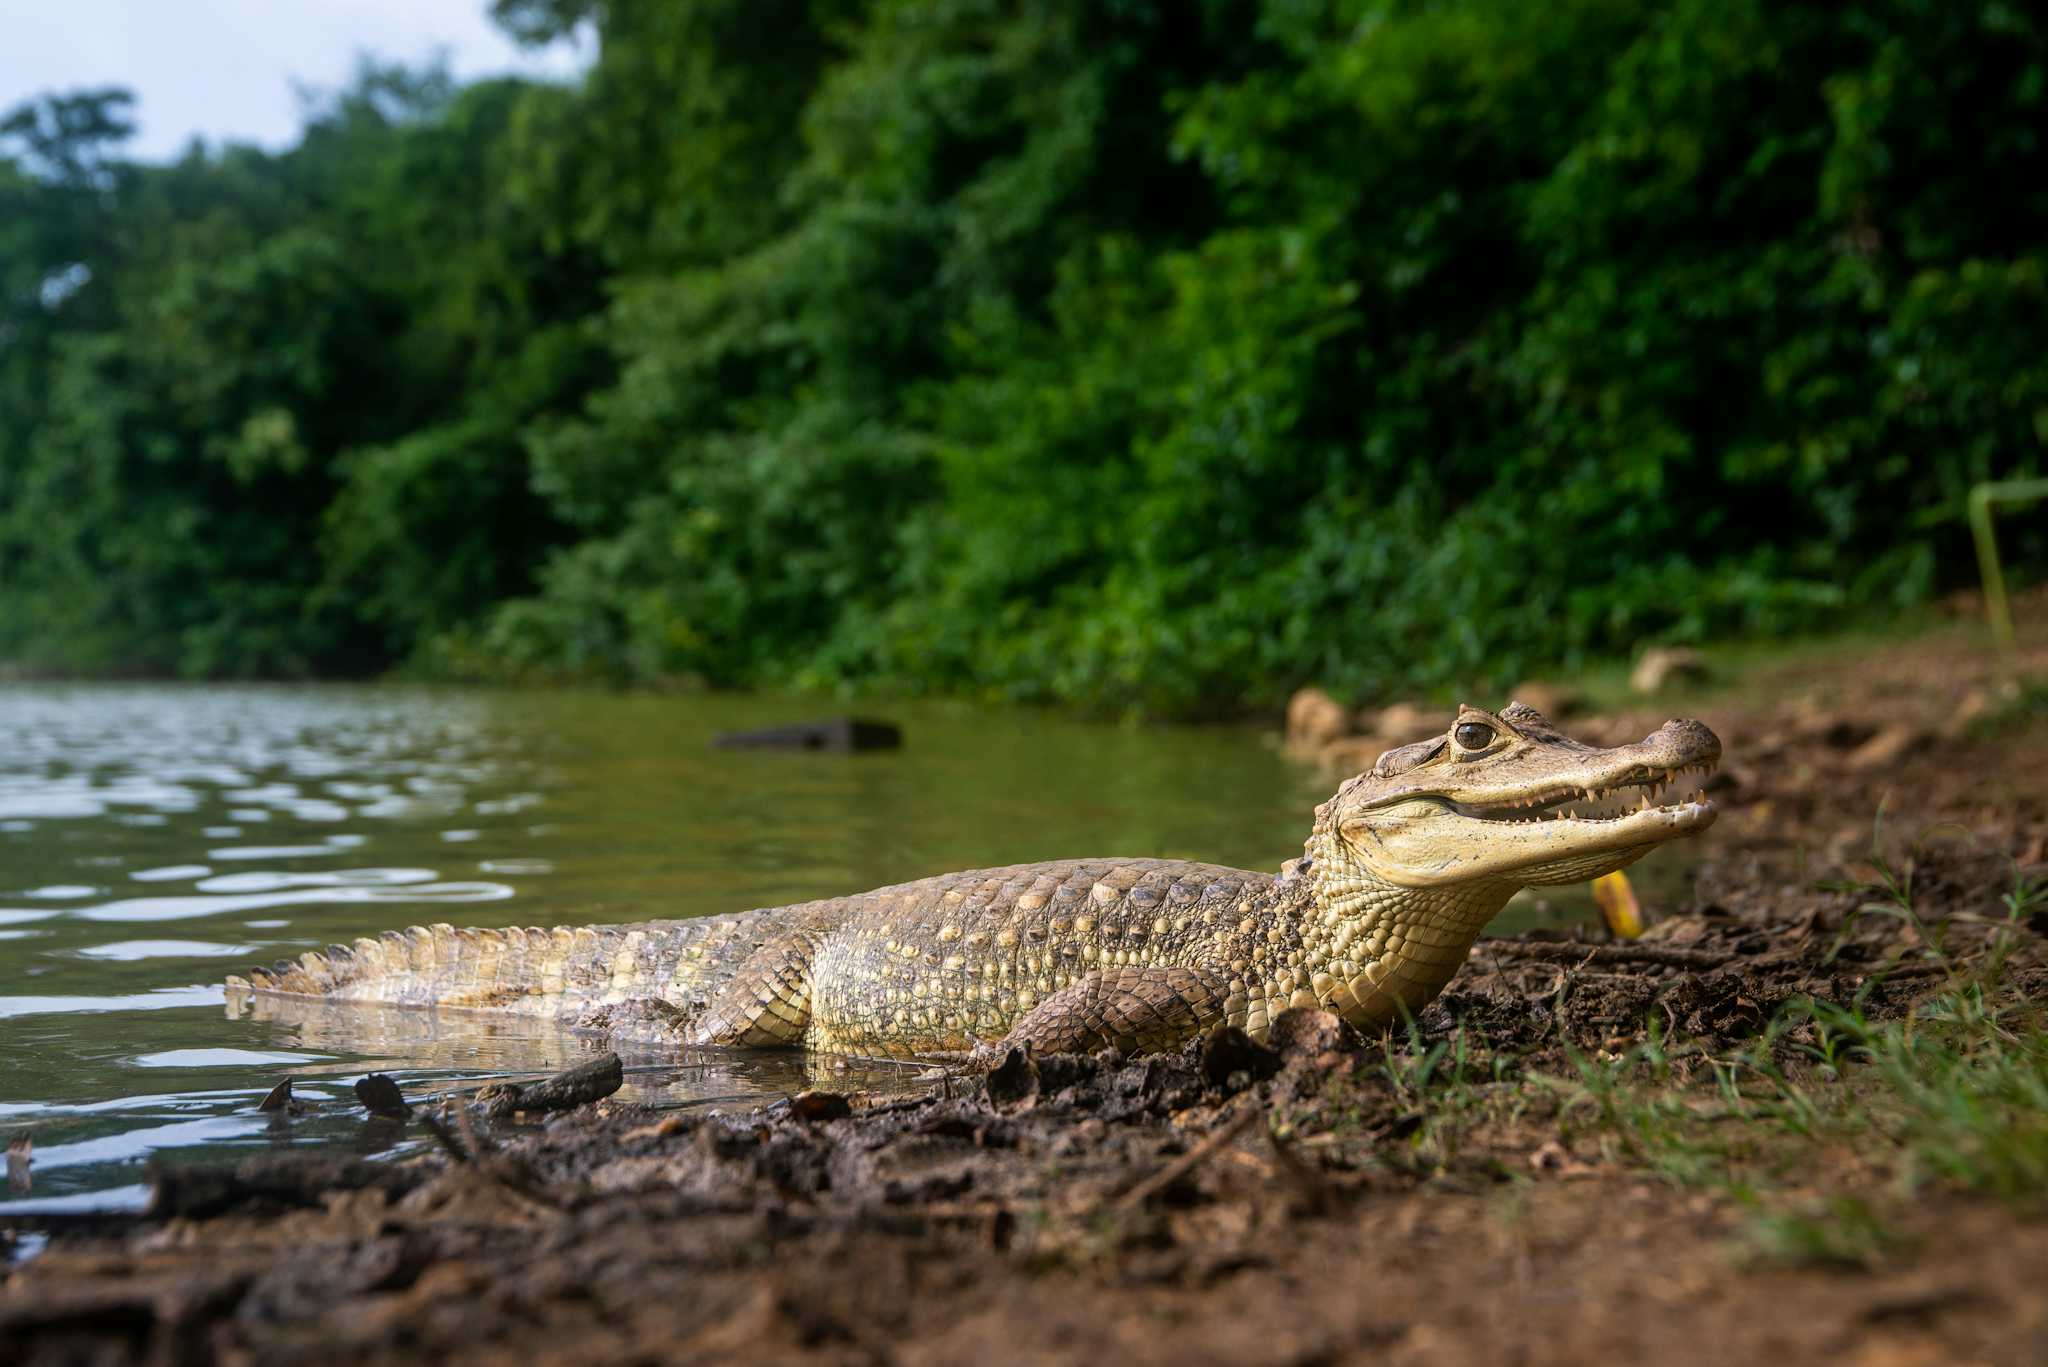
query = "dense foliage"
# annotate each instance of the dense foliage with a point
(1145, 354)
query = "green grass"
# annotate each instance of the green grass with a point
(1823, 1130)
(1841, 1231)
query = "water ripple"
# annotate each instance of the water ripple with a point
(129, 951)
(162, 999)
(186, 908)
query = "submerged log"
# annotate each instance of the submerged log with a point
(843, 735)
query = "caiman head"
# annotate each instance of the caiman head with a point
(1503, 800)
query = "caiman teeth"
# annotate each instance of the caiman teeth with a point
(1650, 788)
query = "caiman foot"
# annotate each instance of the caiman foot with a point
(985, 1057)
(640, 1020)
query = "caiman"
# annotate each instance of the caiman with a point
(1403, 868)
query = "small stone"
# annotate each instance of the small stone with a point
(1013, 1084)
(1666, 665)
(815, 1106)
(1555, 1160)
(379, 1095)
(1552, 700)
(1402, 722)
(1310, 1034)
(1314, 719)
(1351, 755)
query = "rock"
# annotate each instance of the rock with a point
(843, 735)
(1394, 725)
(1555, 1160)
(1402, 722)
(816, 1107)
(1314, 719)
(1014, 1084)
(1313, 1036)
(380, 1096)
(1351, 755)
(1663, 666)
(1890, 745)
(1552, 700)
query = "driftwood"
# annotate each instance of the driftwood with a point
(566, 1090)
(840, 734)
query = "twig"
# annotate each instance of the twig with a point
(1555, 951)
(907, 1104)
(1313, 1187)
(1896, 971)
(698, 1103)
(1189, 1161)
(478, 1144)
(446, 1140)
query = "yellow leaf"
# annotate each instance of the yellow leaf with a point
(1618, 907)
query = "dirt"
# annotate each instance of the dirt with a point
(1424, 1199)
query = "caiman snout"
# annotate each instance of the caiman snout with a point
(1693, 739)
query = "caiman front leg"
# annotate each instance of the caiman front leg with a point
(1135, 1010)
(767, 1002)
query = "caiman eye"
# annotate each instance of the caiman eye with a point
(1473, 735)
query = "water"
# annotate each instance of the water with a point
(153, 839)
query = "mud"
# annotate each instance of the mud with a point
(1422, 1198)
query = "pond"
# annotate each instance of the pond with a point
(154, 838)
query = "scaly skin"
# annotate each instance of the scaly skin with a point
(1403, 868)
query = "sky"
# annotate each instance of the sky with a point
(226, 69)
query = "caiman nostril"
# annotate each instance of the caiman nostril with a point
(1699, 744)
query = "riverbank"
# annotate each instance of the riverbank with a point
(1802, 1118)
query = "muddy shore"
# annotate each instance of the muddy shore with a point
(1707, 1145)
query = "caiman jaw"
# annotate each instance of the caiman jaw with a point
(1593, 803)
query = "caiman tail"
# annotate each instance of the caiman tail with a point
(559, 972)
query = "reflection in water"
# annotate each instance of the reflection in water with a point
(380, 1036)
(166, 949)
(355, 888)
(218, 1058)
(265, 821)
(160, 999)
(175, 873)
